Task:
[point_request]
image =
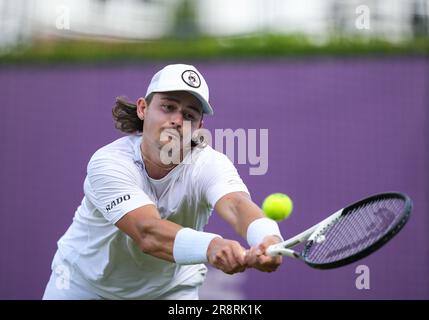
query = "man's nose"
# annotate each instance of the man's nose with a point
(177, 119)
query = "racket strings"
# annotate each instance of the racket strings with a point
(355, 230)
(362, 230)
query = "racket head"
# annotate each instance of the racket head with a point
(362, 228)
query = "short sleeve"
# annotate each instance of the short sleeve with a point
(112, 186)
(220, 177)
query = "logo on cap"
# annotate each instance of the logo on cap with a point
(191, 78)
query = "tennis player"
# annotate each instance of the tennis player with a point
(138, 233)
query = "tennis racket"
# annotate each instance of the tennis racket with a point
(351, 233)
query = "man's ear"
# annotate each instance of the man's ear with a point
(141, 108)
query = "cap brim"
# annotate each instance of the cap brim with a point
(207, 108)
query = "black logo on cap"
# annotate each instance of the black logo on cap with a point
(191, 78)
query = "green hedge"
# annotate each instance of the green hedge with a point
(254, 46)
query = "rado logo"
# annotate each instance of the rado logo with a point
(116, 202)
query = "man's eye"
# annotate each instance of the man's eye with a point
(167, 107)
(189, 116)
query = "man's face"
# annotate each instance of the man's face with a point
(167, 116)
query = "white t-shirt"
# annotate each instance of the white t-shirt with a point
(117, 183)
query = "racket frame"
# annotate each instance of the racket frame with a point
(284, 248)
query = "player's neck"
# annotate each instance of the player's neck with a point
(153, 164)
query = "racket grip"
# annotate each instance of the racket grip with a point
(271, 251)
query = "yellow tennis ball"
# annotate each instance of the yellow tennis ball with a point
(277, 206)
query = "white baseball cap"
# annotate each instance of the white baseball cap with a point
(182, 77)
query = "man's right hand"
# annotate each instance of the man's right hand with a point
(227, 255)
(258, 259)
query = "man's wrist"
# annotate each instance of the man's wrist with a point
(260, 228)
(190, 246)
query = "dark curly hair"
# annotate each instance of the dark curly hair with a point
(125, 115)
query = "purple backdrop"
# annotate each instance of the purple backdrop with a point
(339, 130)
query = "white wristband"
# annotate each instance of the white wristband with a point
(190, 246)
(260, 228)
